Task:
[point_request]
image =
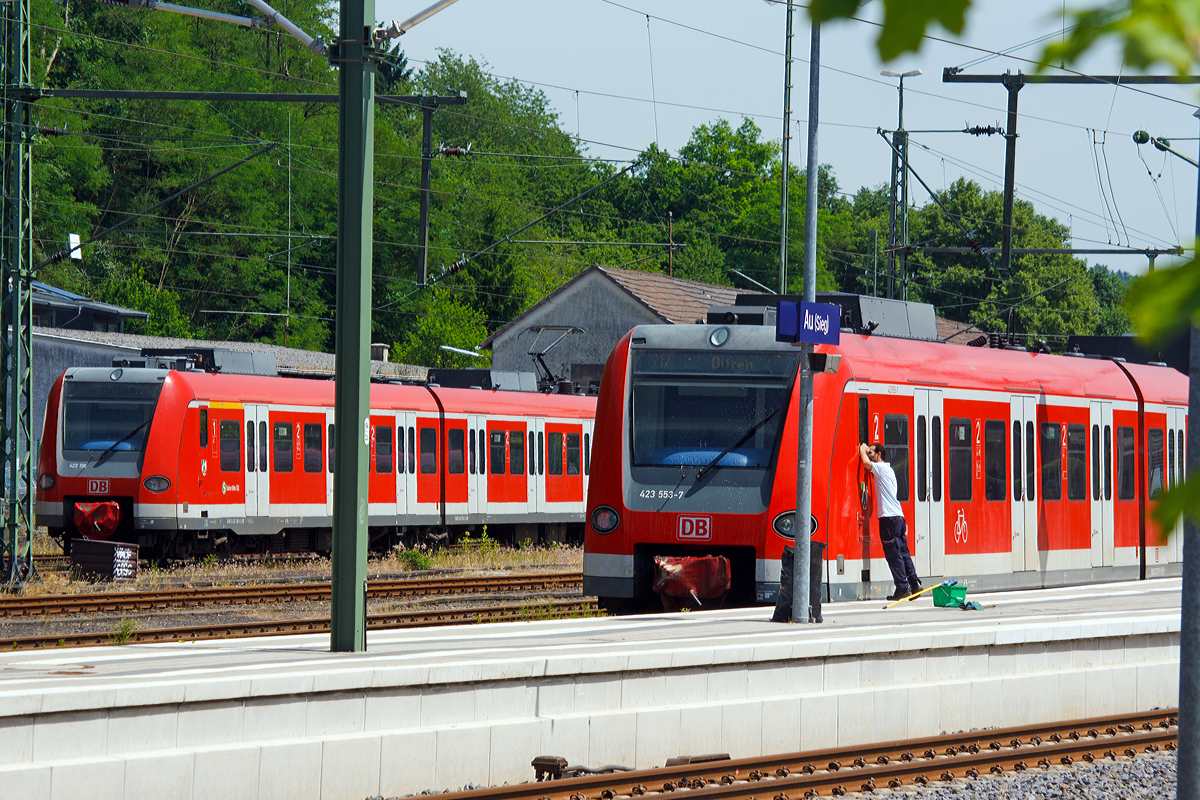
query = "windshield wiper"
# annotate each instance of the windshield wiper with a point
(745, 436)
(122, 440)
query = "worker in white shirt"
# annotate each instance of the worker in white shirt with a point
(893, 532)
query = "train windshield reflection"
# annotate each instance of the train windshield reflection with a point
(690, 406)
(97, 415)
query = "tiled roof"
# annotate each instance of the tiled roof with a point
(947, 328)
(674, 299)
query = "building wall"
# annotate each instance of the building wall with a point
(595, 304)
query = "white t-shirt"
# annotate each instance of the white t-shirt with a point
(886, 504)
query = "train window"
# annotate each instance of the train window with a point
(496, 440)
(203, 431)
(960, 459)
(250, 446)
(1030, 464)
(532, 451)
(516, 452)
(482, 454)
(471, 451)
(262, 446)
(1095, 462)
(312, 447)
(864, 424)
(455, 461)
(1016, 460)
(1126, 461)
(1051, 462)
(383, 449)
(1170, 457)
(329, 448)
(587, 454)
(541, 453)
(937, 459)
(922, 461)
(895, 438)
(554, 453)
(283, 446)
(1076, 462)
(994, 450)
(1108, 462)
(1154, 441)
(1179, 438)
(231, 446)
(572, 453)
(400, 449)
(412, 450)
(428, 451)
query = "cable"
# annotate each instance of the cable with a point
(653, 92)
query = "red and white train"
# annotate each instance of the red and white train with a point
(190, 462)
(1015, 469)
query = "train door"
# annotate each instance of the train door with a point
(476, 477)
(329, 463)
(538, 426)
(1102, 526)
(1175, 476)
(258, 486)
(531, 490)
(929, 517)
(1024, 516)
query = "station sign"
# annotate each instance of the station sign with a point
(817, 323)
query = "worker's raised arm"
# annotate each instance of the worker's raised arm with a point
(864, 454)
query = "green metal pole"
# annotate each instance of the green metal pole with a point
(351, 414)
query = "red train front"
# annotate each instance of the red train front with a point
(1016, 469)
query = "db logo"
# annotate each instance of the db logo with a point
(97, 486)
(692, 528)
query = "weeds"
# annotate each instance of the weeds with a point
(414, 559)
(123, 632)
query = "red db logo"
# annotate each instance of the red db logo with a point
(97, 487)
(693, 528)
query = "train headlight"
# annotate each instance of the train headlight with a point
(157, 483)
(605, 519)
(785, 524)
(45, 481)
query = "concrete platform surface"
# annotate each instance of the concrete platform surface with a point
(438, 708)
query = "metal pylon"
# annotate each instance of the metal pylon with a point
(16, 310)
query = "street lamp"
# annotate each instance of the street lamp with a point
(898, 228)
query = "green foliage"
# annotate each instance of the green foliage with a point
(444, 319)
(904, 21)
(414, 560)
(124, 632)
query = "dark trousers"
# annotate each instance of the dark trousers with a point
(783, 599)
(893, 534)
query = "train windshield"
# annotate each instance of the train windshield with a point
(689, 407)
(100, 416)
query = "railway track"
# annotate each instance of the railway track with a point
(867, 768)
(552, 609)
(117, 602)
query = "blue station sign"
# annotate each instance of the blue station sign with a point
(817, 323)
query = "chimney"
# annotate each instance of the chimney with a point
(379, 352)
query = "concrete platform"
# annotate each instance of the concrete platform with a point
(438, 708)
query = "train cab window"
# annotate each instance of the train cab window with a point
(1051, 461)
(400, 449)
(554, 453)
(922, 461)
(1170, 457)
(1108, 461)
(383, 449)
(895, 438)
(1154, 442)
(572, 453)
(312, 447)
(496, 446)
(1126, 462)
(329, 448)
(262, 446)
(516, 452)
(994, 450)
(1016, 460)
(412, 450)
(203, 428)
(471, 451)
(541, 453)
(283, 447)
(936, 426)
(428, 451)
(231, 445)
(587, 454)
(455, 458)
(959, 461)
(250, 446)
(1030, 464)
(1095, 462)
(1076, 462)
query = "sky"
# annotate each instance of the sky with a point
(620, 81)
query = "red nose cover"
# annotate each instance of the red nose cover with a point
(97, 520)
(691, 581)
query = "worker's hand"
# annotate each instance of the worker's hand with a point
(862, 449)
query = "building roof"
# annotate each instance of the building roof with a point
(952, 332)
(47, 296)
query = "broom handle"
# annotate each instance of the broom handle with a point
(911, 596)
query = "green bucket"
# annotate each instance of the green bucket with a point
(945, 596)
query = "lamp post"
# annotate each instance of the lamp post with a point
(898, 219)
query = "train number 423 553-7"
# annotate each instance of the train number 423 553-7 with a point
(660, 494)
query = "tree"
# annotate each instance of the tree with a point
(444, 319)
